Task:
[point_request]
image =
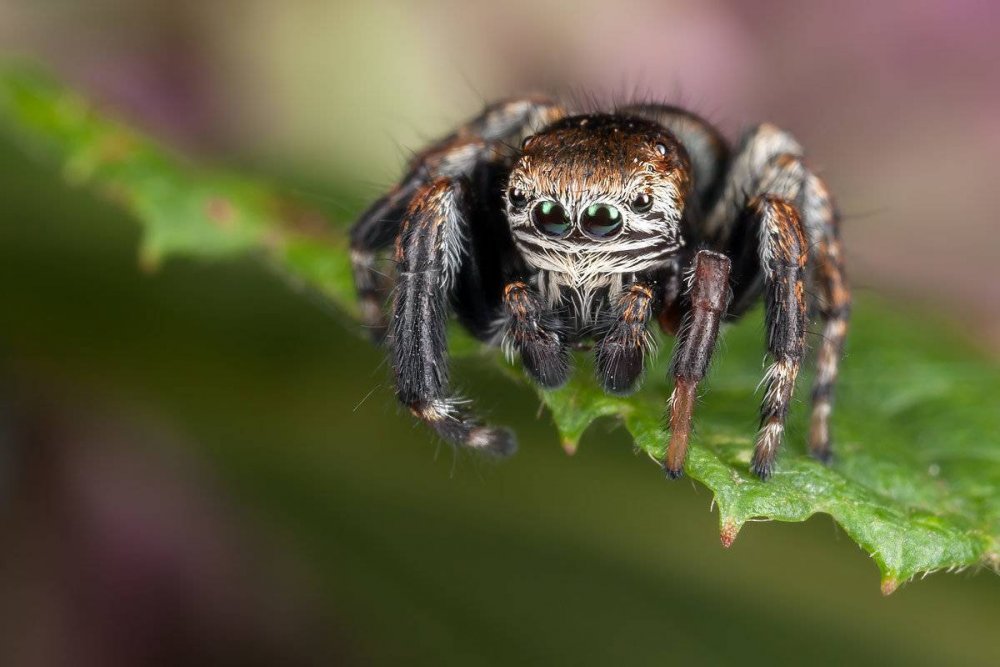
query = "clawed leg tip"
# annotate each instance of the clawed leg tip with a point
(764, 471)
(498, 442)
(673, 473)
(548, 379)
(619, 389)
(550, 383)
(824, 456)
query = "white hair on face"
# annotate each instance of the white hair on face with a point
(580, 266)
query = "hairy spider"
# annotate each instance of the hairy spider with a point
(543, 230)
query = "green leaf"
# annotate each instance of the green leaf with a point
(185, 209)
(917, 466)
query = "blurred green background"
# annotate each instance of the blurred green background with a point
(203, 465)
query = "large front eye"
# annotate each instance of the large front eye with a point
(551, 219)
(601, 221)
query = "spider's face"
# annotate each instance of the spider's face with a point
(598, 195)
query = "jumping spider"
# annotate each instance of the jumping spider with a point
(543, 230)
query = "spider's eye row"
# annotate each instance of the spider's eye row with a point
(517, 198)
(601, 221)
(551, 219)
(642, 203)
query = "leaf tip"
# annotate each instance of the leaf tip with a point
(889, 586)
(728, 533)
(569, 446)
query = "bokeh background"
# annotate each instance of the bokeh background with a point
(201, 466)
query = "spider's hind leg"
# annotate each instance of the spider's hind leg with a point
(821, 222)
(455, 156)
(776, 220)
(430, 252)
(378, 226)
(372, 233)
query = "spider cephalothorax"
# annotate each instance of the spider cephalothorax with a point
(544, 231)
(593, 199)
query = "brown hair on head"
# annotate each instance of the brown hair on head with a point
(603, 153)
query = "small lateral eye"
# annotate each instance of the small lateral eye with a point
(601, 221)
(551, 219)
(642, 203)
(517, 198)
(661, 149)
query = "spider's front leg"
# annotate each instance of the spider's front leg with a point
(707, 302)
(430, 250)
(535, 332)
(621, 353)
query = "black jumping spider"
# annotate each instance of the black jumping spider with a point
(542, 230)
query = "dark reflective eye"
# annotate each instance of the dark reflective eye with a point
(642, 203)
(601, 221)
(517, 198)
(551, 219)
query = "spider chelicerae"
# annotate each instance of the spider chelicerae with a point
(543, 231)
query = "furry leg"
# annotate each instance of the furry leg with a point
(621, 353)
(708, 299)
(783, 253)
(429, 252)
(534, 332)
